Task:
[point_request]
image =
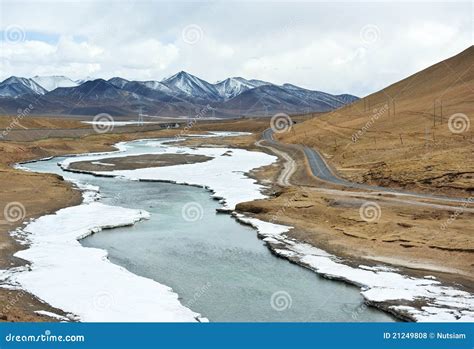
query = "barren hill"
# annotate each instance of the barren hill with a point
(416, 133)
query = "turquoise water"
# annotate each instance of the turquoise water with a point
(218, 267)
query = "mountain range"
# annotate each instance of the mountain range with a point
(182, 94)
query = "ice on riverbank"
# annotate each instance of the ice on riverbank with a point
(224, 174)
(420, 299)
(82, 280)
(423, 299)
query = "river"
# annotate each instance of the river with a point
(217, 266)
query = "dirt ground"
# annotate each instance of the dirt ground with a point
(35, 195)
(139, 161)
(419, 235)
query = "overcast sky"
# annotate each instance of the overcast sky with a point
(335, 47)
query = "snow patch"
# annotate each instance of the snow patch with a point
(379, 284)
(225, 176)
(82, 280)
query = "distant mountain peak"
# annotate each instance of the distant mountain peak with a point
(178, 95)
(231, 87)
(191, 85)
(15, 86)
(52, 82)
(118, 81)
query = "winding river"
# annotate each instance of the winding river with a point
(217, 266)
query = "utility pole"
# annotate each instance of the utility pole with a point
(441, 107)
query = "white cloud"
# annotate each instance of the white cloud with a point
(324, 46)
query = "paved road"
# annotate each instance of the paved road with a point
(321, 170)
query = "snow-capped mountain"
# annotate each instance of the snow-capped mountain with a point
(332, 101)
(156, 85)
(192, 86)
(155, 94)
(50, 83)
(118, 82)
(258, 83)
(181, 94)
(81, 81)
(16, 86)
(152, 84)
(95, 90)
(270, 99)
(347, 98)
(231, 87)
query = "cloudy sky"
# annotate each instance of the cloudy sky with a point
(330, 46)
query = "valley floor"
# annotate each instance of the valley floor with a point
(420, 236)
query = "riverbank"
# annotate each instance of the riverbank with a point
(39, 194)
(410, 297)
(419, 235)
(288, 199)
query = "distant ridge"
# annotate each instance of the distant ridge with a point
(179, 95)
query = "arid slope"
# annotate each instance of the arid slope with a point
(414, 134)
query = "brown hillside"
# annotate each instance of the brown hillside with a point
(401, 136)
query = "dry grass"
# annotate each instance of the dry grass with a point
(393, 137)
